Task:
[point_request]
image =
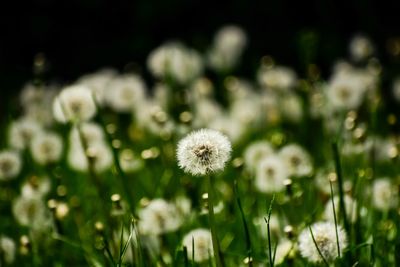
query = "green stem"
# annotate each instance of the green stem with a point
(338, 167)
(246, 228)
(316, 245)
(215, 242)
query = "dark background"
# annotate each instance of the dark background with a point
(81, 36)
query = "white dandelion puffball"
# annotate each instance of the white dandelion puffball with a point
(325, 237)
(36, 187)
(277, 78)
(203, 151)
(384, 194)
(297, 160)
(255, 152)
(125, 92)
(10, 164)
(271, 173)
(74, 103)
(29, 211)
(228, 46)
(174, 60)
(100, 155)
(90, 132)
(46, 148)
(360, 48)
(199, 242)
(98, 83)
(159, 217)
(7, 249)
(21, 133)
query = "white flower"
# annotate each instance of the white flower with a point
(97, 83)
(7, 249)
(346, 90)
(10, 164)
(35, 187)
(125, 92)
(91, 132)
(297, 160)
(173, 60)
(229, 126)
(205, 110)
(291, 107)
(46, 148)
(277, 78)
(350, 205)
(159, 217)
(74, 103)
(270, 175)
(247, 111)
(282, 250)
(153, 118)
(325, 237)
(360, 48)
(29, 211)
(22, 132)
(199, 242)
(384, 194)
(255, 152)
(203, 151)
(99, 153)
(228, 46)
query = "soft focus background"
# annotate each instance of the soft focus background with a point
(79, 37)
(297, 115)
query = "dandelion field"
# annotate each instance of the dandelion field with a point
(201, 167)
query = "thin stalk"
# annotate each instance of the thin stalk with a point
(245, 226)
(338, 167)
(211, 218)
(267, 220)
(316, 245)
(334, 217)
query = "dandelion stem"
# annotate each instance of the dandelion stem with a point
(316, 245)
(267, 220)
(338, 167)
(246, 229)
(215, 242)
(334, 217)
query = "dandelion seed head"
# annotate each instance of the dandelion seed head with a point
(125, 92)
(74, 103)
(199, 242)
(277, 78)
(203, 151)
(297, 160)
(7, 249)
(21, 133)
(255, 152)
(159, 217)
(325, 238)
(46, 148)
(360, 48)
(384, 194)
(10, 164)
(270, 175)
(98, 83)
